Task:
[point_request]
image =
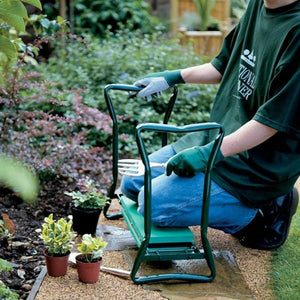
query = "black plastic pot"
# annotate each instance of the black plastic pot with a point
(85, 220)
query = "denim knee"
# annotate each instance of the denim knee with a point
(129, 187)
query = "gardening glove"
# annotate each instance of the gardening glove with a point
(155, 83)
(191, 161)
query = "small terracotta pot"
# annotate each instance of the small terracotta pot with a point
(88, 272)
(56, 265)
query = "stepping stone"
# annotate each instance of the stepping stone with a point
(117, 238)
(228, 284)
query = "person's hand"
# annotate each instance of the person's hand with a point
(191, 161)
(155, 83)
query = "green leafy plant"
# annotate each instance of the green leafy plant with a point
(19, 178)
(12, 16)
(43, 26)
(91, 248)
(125, 58)
(5, 292)
(190, 21)
(48, 126)
(204, 8)
(97, 16)
(57, 236)
(14, 21)
(5, 265)
(90, 197)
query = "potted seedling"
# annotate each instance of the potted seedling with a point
(58, 238)
(89, 261)
(199, 26)
(86, 208)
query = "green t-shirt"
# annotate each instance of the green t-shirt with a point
(259, 61)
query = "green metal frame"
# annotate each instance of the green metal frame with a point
(129, 88)
(156, 243)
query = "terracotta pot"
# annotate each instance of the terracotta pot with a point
(88, 272)
(56, 265)
(85, 220)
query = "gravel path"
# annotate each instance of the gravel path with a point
(254, 265)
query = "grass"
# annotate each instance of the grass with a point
(285, 271)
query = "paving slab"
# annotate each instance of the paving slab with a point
(117, 238)
(229, 282)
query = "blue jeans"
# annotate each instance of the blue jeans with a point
(177, 201)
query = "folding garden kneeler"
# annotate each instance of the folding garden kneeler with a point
(161, 243)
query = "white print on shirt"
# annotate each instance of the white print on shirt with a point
(248, 57)
(247, 77)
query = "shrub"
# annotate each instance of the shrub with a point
(124, 58)
(204, 9)
(97, 17)
(12, 21)
(45, 126)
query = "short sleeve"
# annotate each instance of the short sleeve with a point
(221, 60)
(282, 109)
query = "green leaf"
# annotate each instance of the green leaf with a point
(8, 48)
(5, 265)
(45, 23)
(18, 178)
(12, 20)
(14, 7)
(30, 60)
(35, 3)
(60, 20)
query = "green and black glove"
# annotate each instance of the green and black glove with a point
(191, 161)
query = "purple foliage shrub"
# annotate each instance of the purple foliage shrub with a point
(47, 127)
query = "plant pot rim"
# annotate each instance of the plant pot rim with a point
(46, 252)
(77, 258)
(86, 209)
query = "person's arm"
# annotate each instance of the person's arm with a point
(193, 160)
(205, 74)
(248, 136)
(155, 83)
